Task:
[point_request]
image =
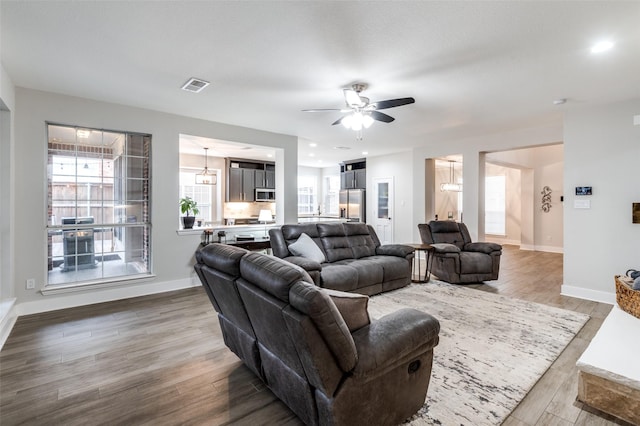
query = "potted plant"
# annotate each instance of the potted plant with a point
(188, 204)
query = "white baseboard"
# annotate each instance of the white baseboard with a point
(584, 293)
(499, 240)
(72, 300)
(8, 316)
(549, 249)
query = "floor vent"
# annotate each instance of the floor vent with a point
(195, 85)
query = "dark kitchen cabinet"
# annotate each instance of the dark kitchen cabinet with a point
(245, 176)
(241, 184)
(353, 175)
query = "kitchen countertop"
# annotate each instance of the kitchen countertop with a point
(198, 230)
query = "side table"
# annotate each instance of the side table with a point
(428, 252)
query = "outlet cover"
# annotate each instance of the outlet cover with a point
(31, 284)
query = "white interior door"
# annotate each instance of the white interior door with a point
(383, 210)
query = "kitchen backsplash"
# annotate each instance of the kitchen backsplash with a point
(246, 210)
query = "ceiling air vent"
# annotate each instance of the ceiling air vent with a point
(195, 85)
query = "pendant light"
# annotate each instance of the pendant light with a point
(451, 186)
(206, 177)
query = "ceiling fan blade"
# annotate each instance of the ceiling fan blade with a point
(338, 121)
(391, 103)
(380, 116)
(352, 98)
(321, 110)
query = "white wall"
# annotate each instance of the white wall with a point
(602, 150)
(472, 150)
(8, 311)
(399, 167)
(172, 254)
(542, 231)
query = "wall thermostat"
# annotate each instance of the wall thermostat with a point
(583, 190)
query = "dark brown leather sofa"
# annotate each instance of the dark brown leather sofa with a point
(355, 261)
(317, 349)
(457, 259)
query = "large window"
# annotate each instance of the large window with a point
(494, 203)
(331, 195)
(307, 195)
(99, 224)
(202, 194)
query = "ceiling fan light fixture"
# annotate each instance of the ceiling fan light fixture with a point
(367, 121)
(347, 120)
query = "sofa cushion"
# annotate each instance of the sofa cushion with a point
(271, 274)
(352, 307)
(339, 277)
(360, 240)
(368, 273)
(222, 257)
(314, 302)
(393, 268)
(306, 247)
(334, 241)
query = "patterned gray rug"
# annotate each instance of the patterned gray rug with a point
(492, 349)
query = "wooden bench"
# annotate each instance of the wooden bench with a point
(609, 369)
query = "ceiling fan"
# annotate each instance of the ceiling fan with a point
(362, 113)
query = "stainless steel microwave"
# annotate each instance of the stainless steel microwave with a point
(263, 194)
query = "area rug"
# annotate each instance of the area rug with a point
(492, 350)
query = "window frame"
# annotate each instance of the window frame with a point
(138, 257)
(503, 211)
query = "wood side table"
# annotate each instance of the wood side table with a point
(428, 251)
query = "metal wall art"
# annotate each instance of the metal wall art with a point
(546, 199)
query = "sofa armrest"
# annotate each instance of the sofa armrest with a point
(398, 250)
(481, 247)
(393, 337)
(442, 248)
(305, 263)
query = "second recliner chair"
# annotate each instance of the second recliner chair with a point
(457, 259)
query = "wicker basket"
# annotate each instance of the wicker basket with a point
(628, 299)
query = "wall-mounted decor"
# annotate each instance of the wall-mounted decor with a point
(546, 199)
(583, 190)
(635, 214)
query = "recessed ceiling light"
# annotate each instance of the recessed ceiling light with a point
(341, 147)
(602, 46)
(313, 145)
(365, 152)
(312, 155)
(559, 101)
(269, 155)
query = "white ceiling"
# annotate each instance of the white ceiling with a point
(473, 67)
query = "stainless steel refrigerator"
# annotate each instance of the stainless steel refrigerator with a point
(352, 205)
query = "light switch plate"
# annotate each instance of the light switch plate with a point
(581, 204)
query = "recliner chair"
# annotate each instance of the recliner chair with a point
(457, 259)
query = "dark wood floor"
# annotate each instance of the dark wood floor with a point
(161, 360)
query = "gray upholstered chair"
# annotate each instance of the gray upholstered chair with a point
(317, 349)
(457, 260)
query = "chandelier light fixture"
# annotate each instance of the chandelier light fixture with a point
(451, 186)
(205, 177)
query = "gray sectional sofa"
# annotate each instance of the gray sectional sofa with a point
(317, 349)
(351, 256)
